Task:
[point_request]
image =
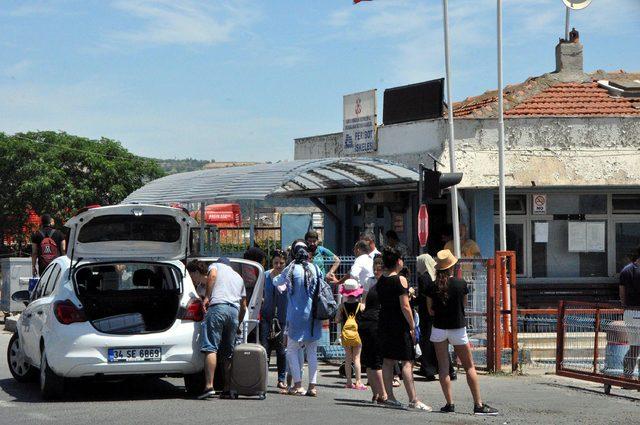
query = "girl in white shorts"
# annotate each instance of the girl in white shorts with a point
(446, 299)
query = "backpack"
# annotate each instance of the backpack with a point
(48, 249)
(324, 303)
(350, 336)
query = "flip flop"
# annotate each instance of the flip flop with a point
(312, 393)
(297, 392)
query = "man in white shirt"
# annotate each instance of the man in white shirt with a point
(370, 240)
(362, 267)
(226, 302)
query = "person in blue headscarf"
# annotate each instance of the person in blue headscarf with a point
(298, 280)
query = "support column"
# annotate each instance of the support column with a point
(202, 222)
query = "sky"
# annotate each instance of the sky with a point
(239, 80)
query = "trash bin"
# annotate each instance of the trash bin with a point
(616, 349)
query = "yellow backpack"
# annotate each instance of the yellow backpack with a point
(350, 336)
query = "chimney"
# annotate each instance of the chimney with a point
(569, 62)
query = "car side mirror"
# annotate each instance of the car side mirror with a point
(23, 296)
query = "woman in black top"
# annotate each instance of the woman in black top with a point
(371, 357)
(446, 299)
(396, 328)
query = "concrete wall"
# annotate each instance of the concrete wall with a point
(557, 151)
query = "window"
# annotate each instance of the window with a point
(514, 204)
(53, 280)
(153, 228)
(553, 259)
(515, 242)
(627, 239)
(126, 277)
(44, 278)
(568, 203)
(626, 204)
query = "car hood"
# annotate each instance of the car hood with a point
(133, 231)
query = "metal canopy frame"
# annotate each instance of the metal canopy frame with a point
(301, 179)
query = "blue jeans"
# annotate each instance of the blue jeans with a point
(277, 345)
(220, 329)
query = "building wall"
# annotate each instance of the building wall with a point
(557, 151)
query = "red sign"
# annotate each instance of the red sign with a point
(423, 225)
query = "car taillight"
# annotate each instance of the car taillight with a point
(194, 310)
(66, 312)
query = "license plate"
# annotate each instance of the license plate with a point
(139, 354)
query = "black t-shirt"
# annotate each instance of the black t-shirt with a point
(424, 281)
(450, 313)
(391, 319)
(630, 279)
(371, 307)
(37, 237)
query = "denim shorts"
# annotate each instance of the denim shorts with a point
(220, 327)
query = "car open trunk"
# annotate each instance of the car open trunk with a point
(129, 297)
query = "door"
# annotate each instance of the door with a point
(144, 232)
(30, 319)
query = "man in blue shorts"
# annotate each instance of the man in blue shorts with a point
(226, 302)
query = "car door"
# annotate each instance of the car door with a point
(29, 317)
(42, 309)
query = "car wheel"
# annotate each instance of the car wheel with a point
(194, 383)
(51, 385)
(19, 367)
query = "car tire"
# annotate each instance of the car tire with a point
(51, 385)
(194, 383)
(21, 370)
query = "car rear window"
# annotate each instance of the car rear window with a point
(152, 228)
(126, 277)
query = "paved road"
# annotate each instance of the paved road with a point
(522, 400)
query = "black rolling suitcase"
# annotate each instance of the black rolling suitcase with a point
(249, 367)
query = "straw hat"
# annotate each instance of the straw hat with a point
(445, 260)
(351, 288)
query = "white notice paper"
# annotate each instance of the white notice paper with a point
(595, 236)
(577, 236)
(541, 232)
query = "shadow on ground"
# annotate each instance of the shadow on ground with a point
(135, 388)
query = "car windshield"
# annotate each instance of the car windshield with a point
(126, 277)
(127, 227)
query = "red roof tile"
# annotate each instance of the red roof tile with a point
(545, 97)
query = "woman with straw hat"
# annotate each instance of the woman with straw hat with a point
(446, 299)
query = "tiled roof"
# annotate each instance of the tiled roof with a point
(545, 96)
(574, 99)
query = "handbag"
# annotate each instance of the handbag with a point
(324, 306)
(275, 330)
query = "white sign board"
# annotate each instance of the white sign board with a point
(539, 204)
(359, 122)
(577, 236)
(541, 232)
(587, 236)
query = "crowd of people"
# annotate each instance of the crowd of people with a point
(380, 329)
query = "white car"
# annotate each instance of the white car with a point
(120, 303)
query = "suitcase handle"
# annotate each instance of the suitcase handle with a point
(245, 329)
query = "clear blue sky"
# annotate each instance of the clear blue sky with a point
(238, 80)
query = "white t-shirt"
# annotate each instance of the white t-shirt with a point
(373, 253)
(228, 287)
(362, 269)
(371, 280)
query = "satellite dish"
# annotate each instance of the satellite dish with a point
(576, 4)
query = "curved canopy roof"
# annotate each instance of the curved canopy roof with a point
(302, 178)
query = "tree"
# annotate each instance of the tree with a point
(57, 173)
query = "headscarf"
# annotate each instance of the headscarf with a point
(300, 255)
(426, 264)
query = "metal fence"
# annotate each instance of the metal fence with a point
(474, 272)
(598, 343)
